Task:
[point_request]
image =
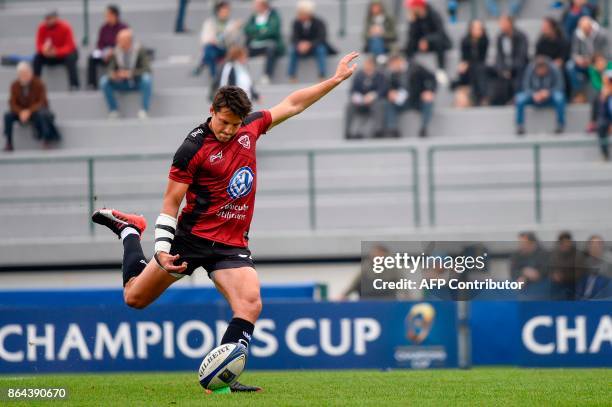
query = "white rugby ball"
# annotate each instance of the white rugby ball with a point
(222, 366)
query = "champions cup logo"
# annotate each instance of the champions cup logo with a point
(241, 183)
(419, 322)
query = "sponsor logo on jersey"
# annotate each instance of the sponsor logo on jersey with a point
(216, 157)
(241, 183)
(245, 141)
(196, 132)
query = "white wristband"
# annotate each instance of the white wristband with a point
(165, 229)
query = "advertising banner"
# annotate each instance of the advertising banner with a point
(289, 335)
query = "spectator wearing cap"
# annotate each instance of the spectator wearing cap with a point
(128, 71)
(379, 30)
(219, 32)
(589, 39)
(364, 116)
(604, 114)
(107, 38)
(264, 36)
(411, 87)
(55, 45)
(28, 104)
(427, 34)
(308, 39)
(542, 86)
(510, 61)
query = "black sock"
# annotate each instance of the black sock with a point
(134, 260)
(238, 331)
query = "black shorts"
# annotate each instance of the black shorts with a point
(212, 256)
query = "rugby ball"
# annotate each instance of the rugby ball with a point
(222, 366)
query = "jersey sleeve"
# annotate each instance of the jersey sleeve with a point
(259, 122)
(186, 160)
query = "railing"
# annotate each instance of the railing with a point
(537, 184)
(311, 163)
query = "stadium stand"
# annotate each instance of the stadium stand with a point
(363, 190)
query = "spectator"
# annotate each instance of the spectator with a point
(411, 87)
(511, 60)
(543, 86)
(379, 30)
(128, 70)
(589, 39)
(55, 45)
(472, 70)
(529, 263)
(604, 114)
(427, 34)
(264, 37)
(235, 72)
(309, 38)
(107, 38)
(596, 75)
(363, 283)
(179, 26)
(364, 116)
(598, 270)
(219, 32)
(514, 7)
(28, 104)
(575, 10)
(552, 42)
(567, 267)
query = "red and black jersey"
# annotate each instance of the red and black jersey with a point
(222, 180)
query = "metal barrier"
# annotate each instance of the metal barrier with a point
(537, 184)
(311, 155)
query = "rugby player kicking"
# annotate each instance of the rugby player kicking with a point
(215, 169)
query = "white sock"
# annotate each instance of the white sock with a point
(128, 231)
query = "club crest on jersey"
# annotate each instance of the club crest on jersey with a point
(241, 183)
(245, 141)
(216, 157)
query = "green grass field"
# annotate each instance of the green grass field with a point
(482, 386)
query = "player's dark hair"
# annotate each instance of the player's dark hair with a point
(114, 9)
(233, 98)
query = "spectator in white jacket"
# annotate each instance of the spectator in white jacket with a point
(219, 32)
(234, 72)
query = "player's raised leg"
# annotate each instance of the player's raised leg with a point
(240, 286)
(143, 281)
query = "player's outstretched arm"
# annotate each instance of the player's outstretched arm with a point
(301, 99)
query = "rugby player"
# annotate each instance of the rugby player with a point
(215, 169)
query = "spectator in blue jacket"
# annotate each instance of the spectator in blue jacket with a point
(542, 86)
